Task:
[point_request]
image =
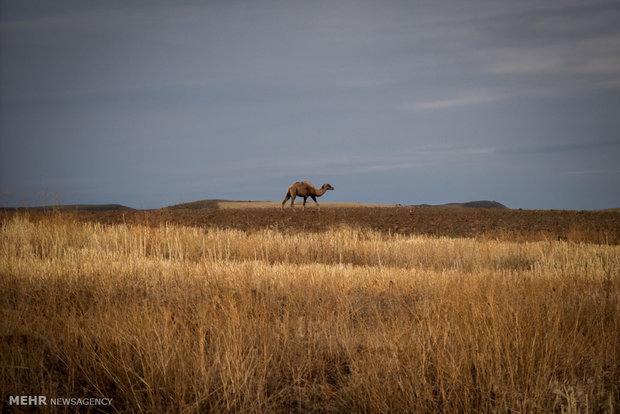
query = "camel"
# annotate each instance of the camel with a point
(305, 189)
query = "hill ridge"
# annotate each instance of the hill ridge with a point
(218, 203)
(469, 204)
(73, 207)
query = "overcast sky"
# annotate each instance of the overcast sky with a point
(152, 103)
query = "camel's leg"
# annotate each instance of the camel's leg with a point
(316, 202)
(293, 200)
(288, 195)
(304, 204)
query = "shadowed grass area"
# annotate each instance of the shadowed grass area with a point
(168, 318)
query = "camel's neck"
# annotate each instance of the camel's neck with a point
(320, 191)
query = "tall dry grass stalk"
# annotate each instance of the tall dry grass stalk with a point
(180, 319)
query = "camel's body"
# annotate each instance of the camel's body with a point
(305, 189)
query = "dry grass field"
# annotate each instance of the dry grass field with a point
(163, 313)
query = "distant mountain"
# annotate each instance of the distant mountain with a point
(470, 204)
(74, 207)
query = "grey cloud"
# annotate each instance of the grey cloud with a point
(471, 98)
(532, 50)
(591, 172)
(559, 148)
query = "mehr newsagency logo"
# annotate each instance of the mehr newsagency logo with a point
(42, 400)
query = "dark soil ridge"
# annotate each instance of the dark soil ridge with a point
(601, 227)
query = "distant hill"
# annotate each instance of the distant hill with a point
(73, 207)
(195, 205)
(470, 204)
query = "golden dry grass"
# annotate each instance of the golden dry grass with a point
(185, 319)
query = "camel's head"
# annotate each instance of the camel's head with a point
(327, 187)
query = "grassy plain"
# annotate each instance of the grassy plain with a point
(164, 317)
(298, 204)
